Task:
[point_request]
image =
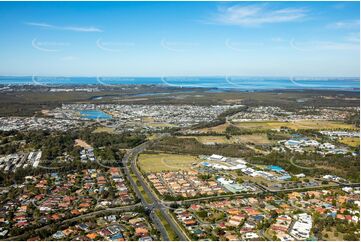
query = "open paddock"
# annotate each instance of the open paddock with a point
(298, 124)
(166, 162)
(351, 141)
(258, 139)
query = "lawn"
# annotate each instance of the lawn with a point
(351, 141)
(165, 162)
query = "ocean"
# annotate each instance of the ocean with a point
(220, 83)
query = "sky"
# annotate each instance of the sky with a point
(180, 38)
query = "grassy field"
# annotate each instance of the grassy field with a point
(236, 139)
(266, 125)
(209, 139)
(301, 124)
(160, 125)
(165, 162)
(217, 129)
(252, 138)
(351, 141)
(104, 129)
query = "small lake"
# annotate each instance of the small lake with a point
(94, 114)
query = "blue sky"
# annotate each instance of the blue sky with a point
(180, 38)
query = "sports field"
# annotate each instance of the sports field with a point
(165, 162)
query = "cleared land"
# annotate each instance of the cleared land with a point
(104, 129)
(252, 138)
(267, 125)
(82, 143)
(165, 162)
(300, 124)
(351, 141)
(217, 129)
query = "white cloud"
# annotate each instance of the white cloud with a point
(323, 45)
(353, 37)
(277, 39)
(350, 24)
(255, 15)
(69, 28)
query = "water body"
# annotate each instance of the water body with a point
(217, 84)
(94, 114)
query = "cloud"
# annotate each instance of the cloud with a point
(349, 24)
(255, 15)
(323, 45)
(353, 37)
(277, 39)
(68, 58)
(68, 28)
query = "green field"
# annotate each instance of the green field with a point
(165, 162)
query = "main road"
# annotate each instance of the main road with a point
(162, 206)
(156, 204)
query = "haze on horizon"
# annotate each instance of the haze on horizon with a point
(180, 38)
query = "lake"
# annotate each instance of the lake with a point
(94, 114)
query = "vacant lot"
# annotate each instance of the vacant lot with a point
(82, 143)
(267, 125)
(301, 124)
(217, 129)
(104, 129)
(236, 139)
(351, 141)
(257, 139)
(165, 162)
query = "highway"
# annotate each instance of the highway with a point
(163, 206)
(130, 158)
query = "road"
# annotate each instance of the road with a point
(130, 158)
(83, 216)
(163, 206)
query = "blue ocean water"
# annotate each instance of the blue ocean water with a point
(94, 114)
(216, 83)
